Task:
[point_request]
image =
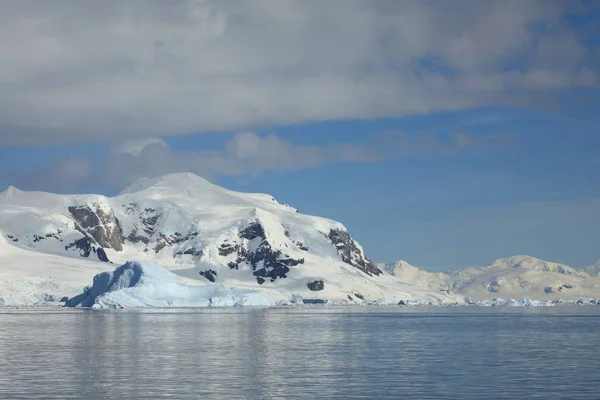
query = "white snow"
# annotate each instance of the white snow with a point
(30, 278)
(512, 277)
(594, 270)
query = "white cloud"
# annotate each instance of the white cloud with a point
(244, 155)
(135, 147)
(76, 70)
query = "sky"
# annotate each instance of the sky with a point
(446, 133)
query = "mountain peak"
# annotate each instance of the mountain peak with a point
(10, 191)
(517, 261)
(174, 181)
(594, 269)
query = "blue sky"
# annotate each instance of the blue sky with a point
(444, 137)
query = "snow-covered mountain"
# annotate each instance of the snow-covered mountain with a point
(199, 231)
(512, 277)
(594, 269)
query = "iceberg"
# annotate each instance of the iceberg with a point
(144, 284)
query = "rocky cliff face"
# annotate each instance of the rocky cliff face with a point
(254, 250)
(99, 224)
(351, 253)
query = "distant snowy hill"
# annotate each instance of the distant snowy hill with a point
(512, 277)
(200, 232)
(594, 270)
(419, 277)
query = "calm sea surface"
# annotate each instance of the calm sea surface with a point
(320, 352)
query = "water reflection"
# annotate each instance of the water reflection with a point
(299, 353)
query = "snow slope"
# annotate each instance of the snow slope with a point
(29, 278)
(513, 277)
(203, 233)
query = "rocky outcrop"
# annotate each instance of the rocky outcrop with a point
(86, 248)
(275, 264)
(99, 224)
(50, 235)
(209, 274)
(351, 253)
(316, 286)
(252, 231)
(146, 226)
(266, 263)
(192, 251)
(171, 240)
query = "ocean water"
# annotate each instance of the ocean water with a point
(309, 352)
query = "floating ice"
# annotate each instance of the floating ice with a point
(144, 284)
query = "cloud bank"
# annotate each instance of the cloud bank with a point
(245, 155)
(75, 71)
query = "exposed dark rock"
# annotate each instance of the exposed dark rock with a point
(149, 219)
(11, 237)
(401, 303)
(233, 265)
(130, 208)
(350, 253)
(264, 261)
(567, 286)
(103, 227)
(350, 298)
(252, 231)
(301, 246)
(274, 264)
(316, 286)
(53, 235)
(192, 251)
(173, 239)
(64, 299)
(86, 248)
(83, 245)
(360, 296)
(227, 249)
(133, 237)
(102, 255)
(209, 274)
(147, 226)
(548, 289)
